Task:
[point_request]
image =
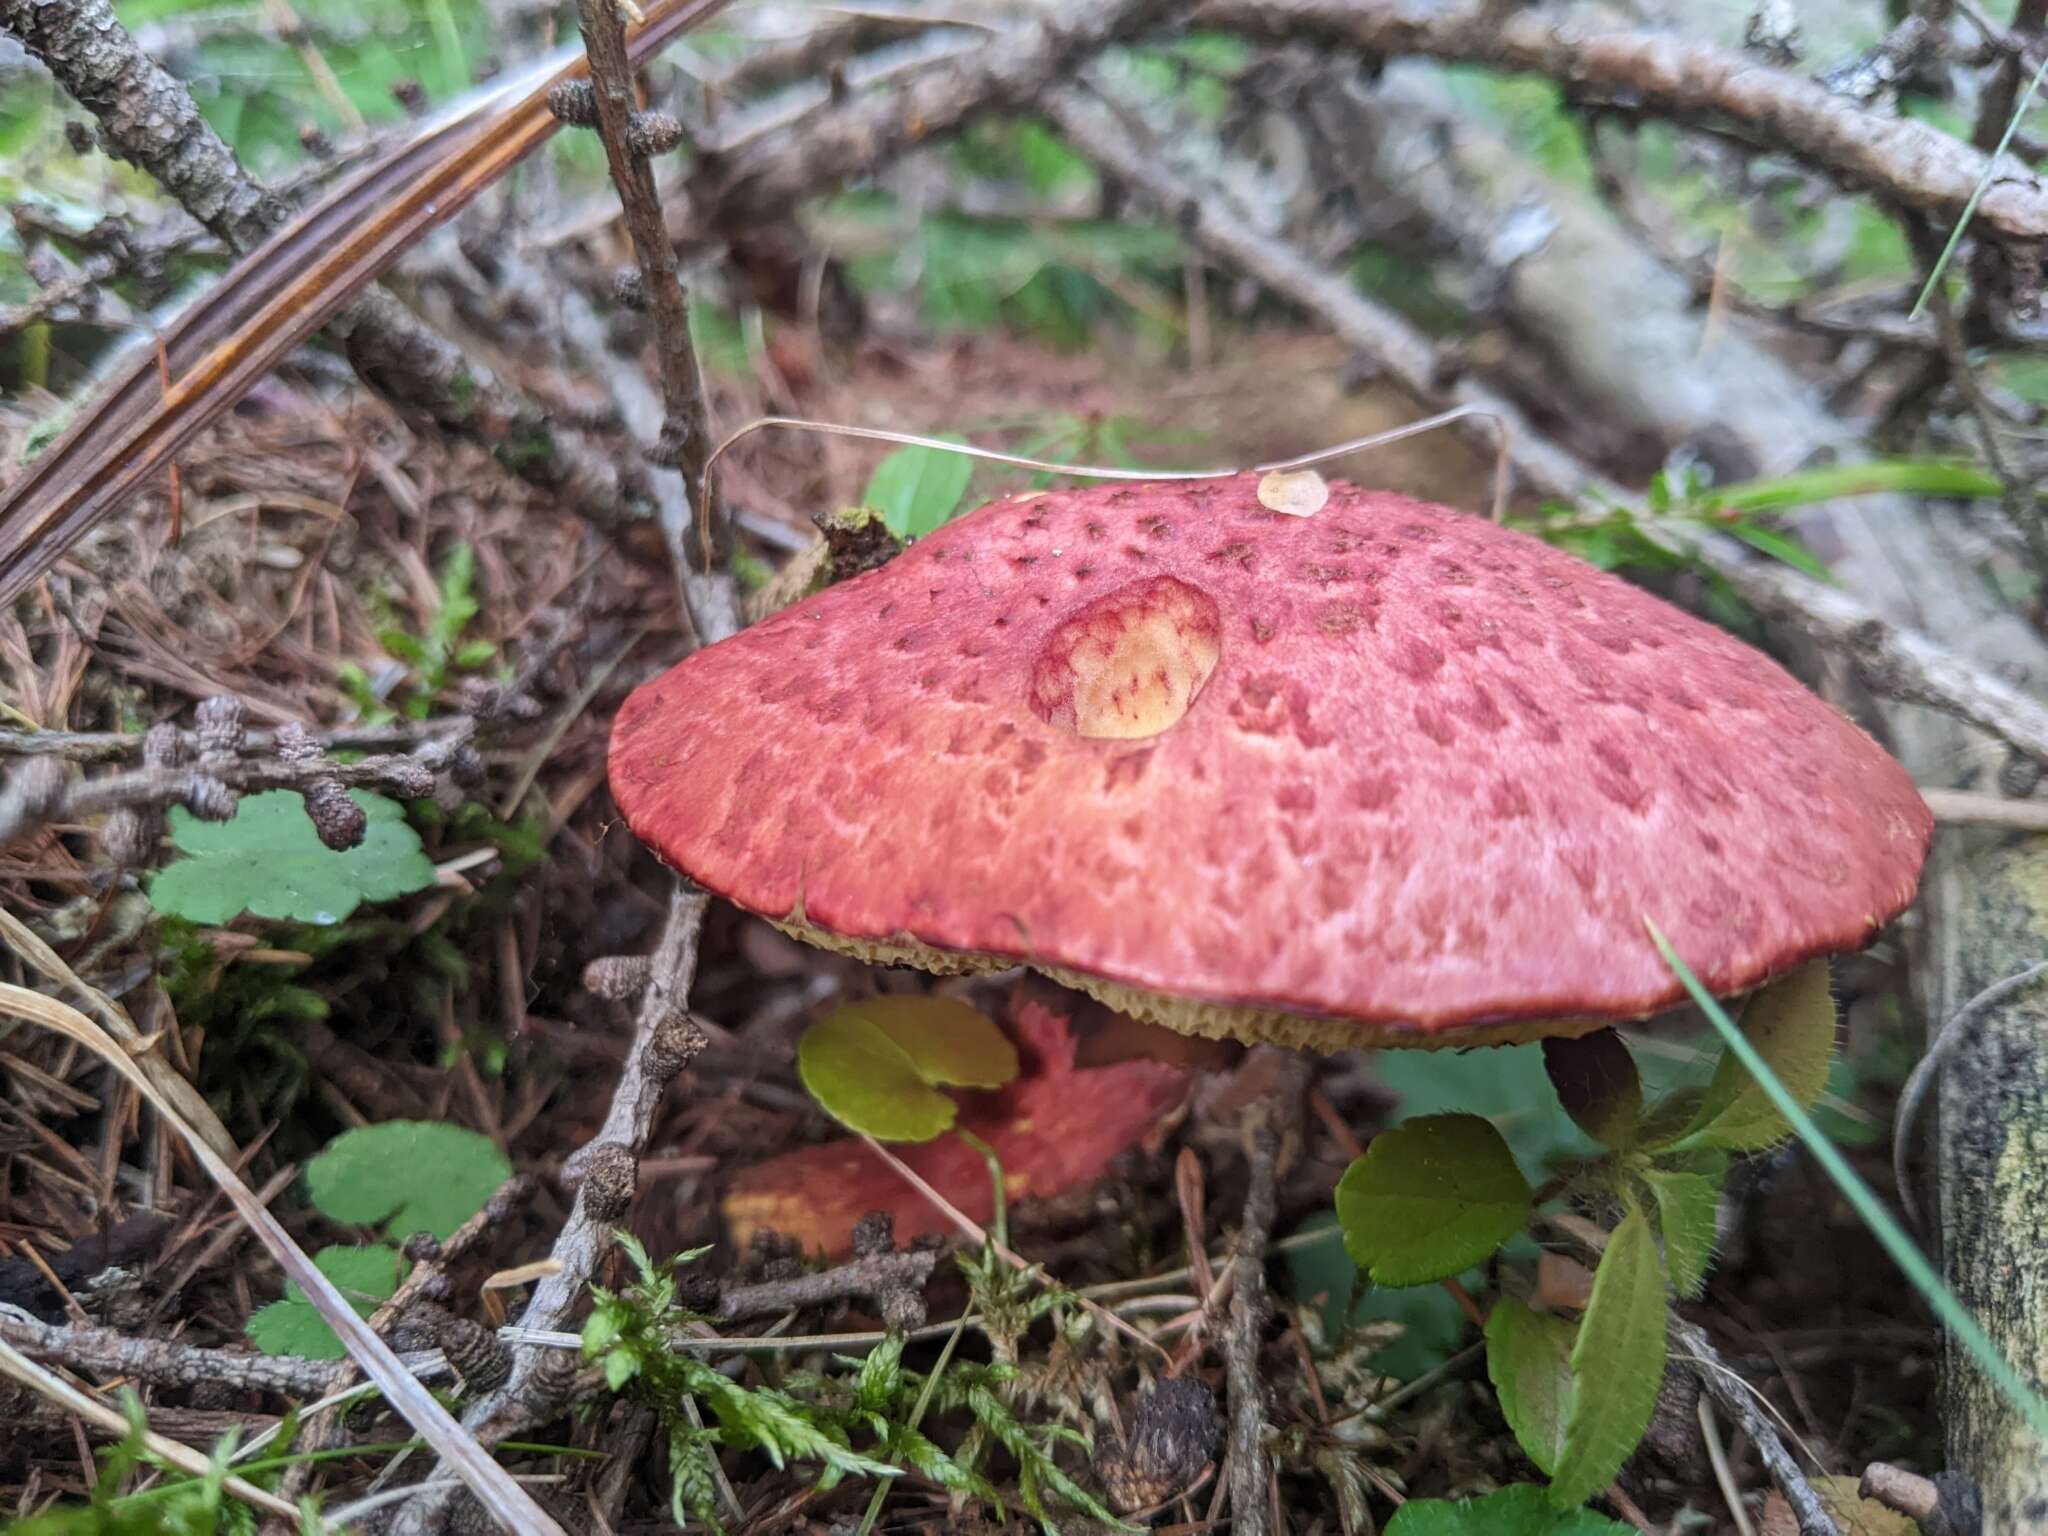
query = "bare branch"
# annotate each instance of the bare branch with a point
(1905, 160)
(1206, 216)
(771, 172)
(685, 441)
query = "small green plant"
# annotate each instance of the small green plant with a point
(403, 1176)
(406, 1176)
(859, 1421)
(877, 1065)
(917, 489)
(1517, 1511)
(176, 1503)
(628, 1334)
(268, 860)
(434, 657)
(1684, 497)
(1437, 1195)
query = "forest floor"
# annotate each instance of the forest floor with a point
(306, 531)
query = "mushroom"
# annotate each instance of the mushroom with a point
(1377, 774)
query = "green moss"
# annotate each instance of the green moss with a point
(525, 453)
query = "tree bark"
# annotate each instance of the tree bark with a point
(1994, 1179)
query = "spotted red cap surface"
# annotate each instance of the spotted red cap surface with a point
(1387, 763)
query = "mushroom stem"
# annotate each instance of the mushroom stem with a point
(1270, 1123)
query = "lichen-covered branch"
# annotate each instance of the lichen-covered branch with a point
(1903, 159)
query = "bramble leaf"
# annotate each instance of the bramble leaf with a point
(268, 860)
(365, 1276)
(1791, 1023)
(1529, 1359)
(409, 1175)
(1617, 1364)
(1431, 1197)
(876, 1065)
(1597, 1083)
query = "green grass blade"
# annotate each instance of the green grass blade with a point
(1977, 192)
(1912, 1263)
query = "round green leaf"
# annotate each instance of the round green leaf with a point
(876, 1065)
(408, 1175)
(1431, 1197)
(268, 860)
(1529, 1359)
(365, 1277)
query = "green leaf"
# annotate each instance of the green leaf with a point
(1617, 1364)
(1779, 547)
(1504, 1083)
(2016, 1389)
(1597, 1083)
(1431, 1197)
(875, 1064)
(1791, 1023)
(1519, 1511)
(1529, 1358)
(410, 1175)
(365, 1276)
(1687, 1203)
(918, 489)
(268, 860)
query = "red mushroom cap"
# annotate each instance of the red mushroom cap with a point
(1238, 770)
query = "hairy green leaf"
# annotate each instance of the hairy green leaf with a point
(1688, 1201)
(1597, 1083)
(876, 1065)
(1529, 1359)
(1504, 1083)
(1791, 1023)
(917, 489)
(1617, 1364)
(365, 1276)
(410, 1175)
(1522, 1510)
(1431, 1197)
(268, 860)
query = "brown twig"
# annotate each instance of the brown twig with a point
(766, 175)
(630, 136)
(881, 1277)
(1206, 215)
(110, 1353)
(605, 1172)
(1690, 1344)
